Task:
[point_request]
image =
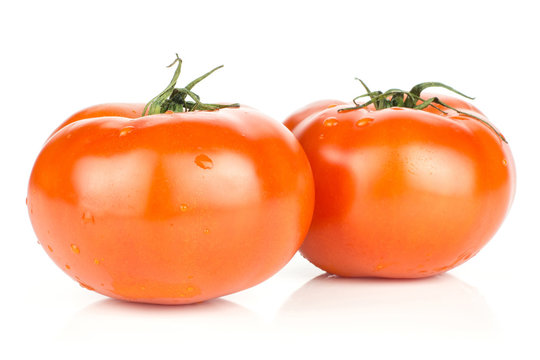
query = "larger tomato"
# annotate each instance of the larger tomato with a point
(170, 208)
(402, 192)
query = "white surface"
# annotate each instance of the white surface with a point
(60, 56)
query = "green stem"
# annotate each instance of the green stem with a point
(174, 99)
(412, 99)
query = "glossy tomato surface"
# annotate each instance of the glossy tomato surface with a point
(403, 193)
(301, 114)
(171, 208)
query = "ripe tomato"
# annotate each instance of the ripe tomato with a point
(170, 208)
(401, 192)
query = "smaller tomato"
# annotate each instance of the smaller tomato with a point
(405, 187)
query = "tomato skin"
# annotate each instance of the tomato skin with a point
(301, 114)
(403, 193)
(127, 110)
(171, 208)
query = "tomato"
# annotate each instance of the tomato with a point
(312, 108)
(403, 192)
(170, 208)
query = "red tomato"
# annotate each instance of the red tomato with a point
(171, 208)
(403, 193)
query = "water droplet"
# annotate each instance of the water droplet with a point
(190, 289)
(86, 286)
(50, 248)
(321, 136)
(206, 231)
(87, 217)
(75, 249)
(126, 130)
(204, 162)
(96, 261)
(379, 267)
(330, 122)
(68, 267)
(504, 162)
(364, 121)
(183, 207)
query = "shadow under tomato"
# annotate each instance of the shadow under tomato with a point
(111, 319)
(439, 306)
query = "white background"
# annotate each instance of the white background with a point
(61, 56)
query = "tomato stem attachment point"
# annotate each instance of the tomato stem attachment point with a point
(412, 99)
(174, 99)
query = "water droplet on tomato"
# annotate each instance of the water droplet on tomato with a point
(206, 231)
(364, 121)
(204, 162)
(87, 217)
(183, 207)
(96, 261)
(330, 122)
(504, 162)
(126, 130)
(68, 267)
(321, 136)
(75, 249)
(50, 248)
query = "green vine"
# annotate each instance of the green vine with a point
(175, 99)
(411, 99)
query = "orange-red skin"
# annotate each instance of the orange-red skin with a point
(170, 208)
(127, 110)
(403, 193)
(301, 114)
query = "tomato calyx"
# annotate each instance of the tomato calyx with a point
(175, 99)
(411, 99)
